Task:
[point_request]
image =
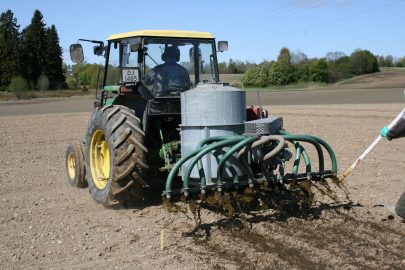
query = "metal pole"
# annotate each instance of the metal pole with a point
(372, 145)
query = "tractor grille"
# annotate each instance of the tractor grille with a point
(264, 126)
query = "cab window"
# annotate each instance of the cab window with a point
(113, 68)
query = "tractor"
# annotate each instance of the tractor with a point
(164, 123)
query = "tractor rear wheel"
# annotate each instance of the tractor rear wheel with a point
(115, 156)
(75, 165)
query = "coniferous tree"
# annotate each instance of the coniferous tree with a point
(9, 48)
(53, 66)
(34, 49)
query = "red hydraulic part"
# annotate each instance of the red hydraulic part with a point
(255, 112)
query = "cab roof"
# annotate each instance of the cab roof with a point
(162, 33)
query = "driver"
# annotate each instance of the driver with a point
(169, 76)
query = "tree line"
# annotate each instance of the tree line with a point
(32, 58)
(293, 67)
(234, 67)
(390, 61)
(290, 67)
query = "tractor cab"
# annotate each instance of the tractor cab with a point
(155, 63)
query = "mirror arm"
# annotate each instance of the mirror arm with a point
(92, 41)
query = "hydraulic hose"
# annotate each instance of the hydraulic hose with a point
(245, 144)
(228, 154)
(292, 138)
(199, 163)
(277, 149)
(242, 155)
(176, 167)
(202, 152)
(325, 145)
(300, 151)
(227, 165)
(329, 150)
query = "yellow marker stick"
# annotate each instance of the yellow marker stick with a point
(162, 240)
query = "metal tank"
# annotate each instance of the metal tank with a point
(206, 111)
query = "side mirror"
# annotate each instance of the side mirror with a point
(222, 46)
(76, 53)
(98, 50)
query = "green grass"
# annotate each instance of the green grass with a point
(48, 94)
(235, 80)
(299, 86)
(393, 69)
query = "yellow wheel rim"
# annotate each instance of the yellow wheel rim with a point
(99, 159)
(71, 166)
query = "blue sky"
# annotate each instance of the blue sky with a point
(255, 29)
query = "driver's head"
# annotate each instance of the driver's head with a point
(171, 54)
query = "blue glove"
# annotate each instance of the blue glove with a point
(384, 133)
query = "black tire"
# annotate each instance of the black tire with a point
(75, 170)
(127, 155)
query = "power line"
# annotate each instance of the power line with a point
(321, 24)
(278, 17)
(255, 17)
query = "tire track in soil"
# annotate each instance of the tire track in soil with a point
(341, 243)
(341, 240)
(249, 250)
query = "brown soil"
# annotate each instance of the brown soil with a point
(45, 223)
(387, 78)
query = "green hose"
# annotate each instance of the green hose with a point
(243, 155)
(241, 144)
(200, 165)
(292, 138)
(329, 150)
(300, 151)
(325, 145)
(227, 165)
(181, 161)
(202, 152)
(175, 168)
(307, 160)
(228, 154)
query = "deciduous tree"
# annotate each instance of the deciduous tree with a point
(363, 62)
(280, 73)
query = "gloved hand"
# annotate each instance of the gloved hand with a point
(384, 132)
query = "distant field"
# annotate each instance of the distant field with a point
(233, 79)
(387, 78)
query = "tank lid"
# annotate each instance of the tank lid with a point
(213, 87)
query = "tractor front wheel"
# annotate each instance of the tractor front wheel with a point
(115, 156)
